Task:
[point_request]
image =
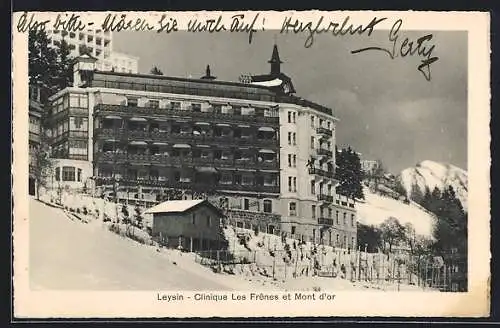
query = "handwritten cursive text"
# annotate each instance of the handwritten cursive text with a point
(419, 47)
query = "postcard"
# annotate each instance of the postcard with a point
(251, 164)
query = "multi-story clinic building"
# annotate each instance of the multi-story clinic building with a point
(264, 154)
(35, 115)
(98, 44)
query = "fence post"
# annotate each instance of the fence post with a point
(296, 261)
(274, 264)
(359, 263)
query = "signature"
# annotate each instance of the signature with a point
(419, 47)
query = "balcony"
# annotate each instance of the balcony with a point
(254, 216)
(322, 173)
(210, 116)
(324, 152)
(249, 188)
(107, 133)
(325, 198)
(34, 137)
(325, 221)
(78, 134)
(79, 111)
(324, 131)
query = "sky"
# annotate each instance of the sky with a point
(387, 110)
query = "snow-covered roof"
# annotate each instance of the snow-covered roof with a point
(172, 206)
(269, 83)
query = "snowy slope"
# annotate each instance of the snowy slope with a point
(376, 209)
(433, 174)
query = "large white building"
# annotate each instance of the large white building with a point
(256, 149)
(99, 44)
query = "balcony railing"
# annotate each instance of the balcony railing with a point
(34, 137)
(325, 198)
(117, 157)
(320, 172)
(325, 221)
(325, 152)
(324, 131)
(195, 186)
(78, 111)
(254, 216)
(210, 115)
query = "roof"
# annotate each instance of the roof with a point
(179, 206)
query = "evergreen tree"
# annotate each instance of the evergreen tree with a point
(64, 67)
(155, 71)
(427, 198)
(349, 174)
(48, 67)
(399, 188)
(42, 60)
(370, 236)
(416, 194)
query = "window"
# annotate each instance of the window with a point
(292, 209)
(209, 221)
(248, 180)
(329, 125)
(68, 173)
(289, 117)
(320, 123)
(246, 204)
(352, 220)
(313, 187)
(294, 161)
(290, 184)
(313, 211)
(176, 105)
(132, 102)
(193, 219)
(330, 213)
(268, 206)
(353, 243)
(337, 238)
(294, 117)
(345, 241)
(312, 121)
(289, 160)
(196, 107)
(294, 135)
(58, 174)
(79, 101)
(312, 142)
(79, 177)
(294, 184)
(154, 103)
(345, 218)
(293, 230)
(289, 138)
(337, 217)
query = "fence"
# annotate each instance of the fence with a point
(372, 268)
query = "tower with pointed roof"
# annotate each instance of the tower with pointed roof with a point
(275, 61)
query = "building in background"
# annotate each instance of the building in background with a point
(35, 130)
(98, 44)
(189, 224)
(369, 166)
(264, 155)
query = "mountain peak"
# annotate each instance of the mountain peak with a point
(434, 174)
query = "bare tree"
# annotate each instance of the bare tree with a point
(392, 232)
(41, 165)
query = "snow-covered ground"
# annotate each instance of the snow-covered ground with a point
(376, 209)
(68, 254)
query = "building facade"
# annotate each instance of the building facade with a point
(191, 224)
(98, 44)
(259, 152)
(35, 133)
(369, 166)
